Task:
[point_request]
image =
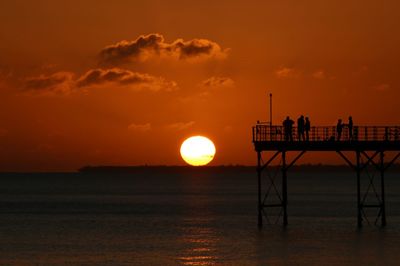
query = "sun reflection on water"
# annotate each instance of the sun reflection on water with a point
(199, 245)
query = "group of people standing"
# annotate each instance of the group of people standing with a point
(304, 126)
(340, 126)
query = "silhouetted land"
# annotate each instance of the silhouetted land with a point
(213, 169)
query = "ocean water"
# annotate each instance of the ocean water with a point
(188, 218)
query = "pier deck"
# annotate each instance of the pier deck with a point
(368, 143)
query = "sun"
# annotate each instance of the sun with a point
(197, 150)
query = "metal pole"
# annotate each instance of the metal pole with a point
(259, 170)
(284, 189)
(270, 109)
(270, 116)
(382, 168)
(359, 207)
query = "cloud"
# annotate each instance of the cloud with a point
(287, 73)
(154, 45)
(197, 48)
(181, 125)
(123, 77)
(140, 127)
(64, 83)
(319, 74)
(57, 83)
(218, 82)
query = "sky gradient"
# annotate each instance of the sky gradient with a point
(125, 82)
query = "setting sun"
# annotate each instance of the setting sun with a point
(197, 150)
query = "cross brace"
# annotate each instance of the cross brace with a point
(284, 166)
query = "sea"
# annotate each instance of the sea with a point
(192, 217)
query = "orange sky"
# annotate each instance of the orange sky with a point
(124, 82)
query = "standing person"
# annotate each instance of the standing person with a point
(300, 128)
(339, 128)
(307, 127)
(350, 126)
(288, 127)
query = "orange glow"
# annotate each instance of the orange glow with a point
(108, 86)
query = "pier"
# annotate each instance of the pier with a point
(365, 149)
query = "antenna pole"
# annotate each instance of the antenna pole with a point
(270, 116)
(270, 109)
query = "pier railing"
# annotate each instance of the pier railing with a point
(265, 132)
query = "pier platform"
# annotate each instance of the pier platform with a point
(370, 146)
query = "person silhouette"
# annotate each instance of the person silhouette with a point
(339, 128)
(300, 128)
(307, 127)
(288, 127)
(350, 126)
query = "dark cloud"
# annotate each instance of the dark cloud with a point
(196, 47)
(62, 83)
(125, 77)
(154, 45)
(218, 82)
(57, 83)
(125, 51)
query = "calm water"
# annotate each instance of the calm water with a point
(187, 219)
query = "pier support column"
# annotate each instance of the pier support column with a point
(382, 170)
(260, 207)
(274, 195)
(284, 189)
(359, 207)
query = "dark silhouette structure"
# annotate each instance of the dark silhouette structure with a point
(370, 145)
(300, 128)
(350, 127)
(288, 128)
(339, 129)
(307, 127)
